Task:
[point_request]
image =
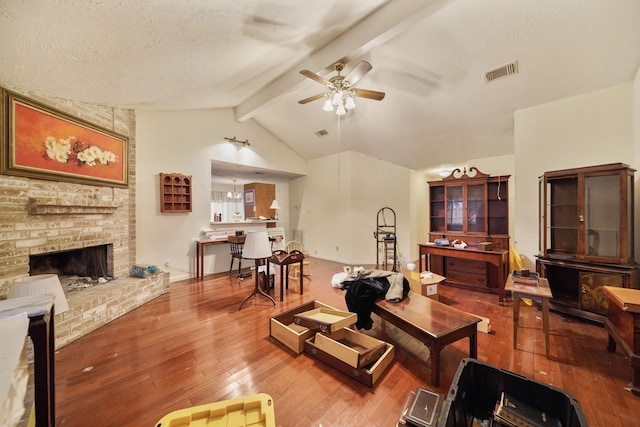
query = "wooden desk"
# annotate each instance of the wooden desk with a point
(498, 259)
(540, 292)
(623, 326)
(200, 245)
(283, 258)
(432, 322)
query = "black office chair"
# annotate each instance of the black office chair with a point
(237, 244)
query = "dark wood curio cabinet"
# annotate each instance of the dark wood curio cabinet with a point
(470, 206)
(586, 236)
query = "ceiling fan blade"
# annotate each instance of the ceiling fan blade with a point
(371, 94)
(357, 73)
(311, 98)
(314, 76)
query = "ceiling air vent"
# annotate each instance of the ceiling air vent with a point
(503, 71)
(321, 133)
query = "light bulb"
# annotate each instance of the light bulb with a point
(337, 98)
(229, 195)
(350, 104)
(340, 110)
(328, 106)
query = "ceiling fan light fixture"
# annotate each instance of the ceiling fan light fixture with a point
(328, 106)
(337, 98)
(350, 104)
(340, 110)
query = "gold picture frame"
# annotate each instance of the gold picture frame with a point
(38, 141)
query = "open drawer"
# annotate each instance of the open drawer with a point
(283, 327)
(333, 355)
(328, 320)
(352, 347)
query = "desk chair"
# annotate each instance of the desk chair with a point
(294, 273)
(237, 245)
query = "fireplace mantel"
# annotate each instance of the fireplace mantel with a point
(58, 206)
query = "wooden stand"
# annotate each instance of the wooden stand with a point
(539, 292)
(256, 289)
(623, 326)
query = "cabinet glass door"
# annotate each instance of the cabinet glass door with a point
(602, 216)
(563, 216)
(476, 208)
(455, 208)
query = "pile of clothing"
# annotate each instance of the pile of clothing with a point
(365, 287)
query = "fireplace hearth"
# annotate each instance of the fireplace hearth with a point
(93, 262)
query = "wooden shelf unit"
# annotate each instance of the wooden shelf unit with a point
(175, 193)
(470, 206)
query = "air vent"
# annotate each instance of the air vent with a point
(503, 71)
(321, 133)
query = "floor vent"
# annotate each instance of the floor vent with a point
(503, 71)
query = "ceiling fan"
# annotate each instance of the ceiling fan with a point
(340, 88)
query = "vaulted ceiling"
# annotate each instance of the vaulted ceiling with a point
(429, 57)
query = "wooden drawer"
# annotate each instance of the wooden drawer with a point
(367, 375)
(472, 279)
(283, 328)
(465, 266)
(355, 349)
(329, 320)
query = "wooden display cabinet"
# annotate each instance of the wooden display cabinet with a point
(586, 236)
(470, 206)
(175, 193)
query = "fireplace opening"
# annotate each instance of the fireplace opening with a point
(94, 261)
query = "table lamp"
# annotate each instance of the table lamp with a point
(257, 247)
(275, 206)
(38, 285)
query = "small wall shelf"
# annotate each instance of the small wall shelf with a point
(175, 193)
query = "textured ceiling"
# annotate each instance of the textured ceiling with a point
(428, 56)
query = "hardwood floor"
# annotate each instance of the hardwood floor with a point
(192, 346)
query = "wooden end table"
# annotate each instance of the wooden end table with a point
(538, 292)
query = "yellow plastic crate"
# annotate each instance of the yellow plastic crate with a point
(249, 411)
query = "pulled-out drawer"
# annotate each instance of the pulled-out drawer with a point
(367, 375)
(283, 327)
(352, 347)
(328, 320)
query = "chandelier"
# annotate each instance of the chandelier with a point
(235, 195)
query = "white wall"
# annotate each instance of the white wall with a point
(185, 142)
(591, 129)
(337, 203)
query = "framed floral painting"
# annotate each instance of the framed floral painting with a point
(41, 142)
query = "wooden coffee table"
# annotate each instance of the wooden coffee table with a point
(435, 324)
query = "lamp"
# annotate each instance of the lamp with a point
(38, 285)
(257, 247)
(236, 141)
(237, 215)
(275, 205)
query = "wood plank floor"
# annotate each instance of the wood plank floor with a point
(192, 346)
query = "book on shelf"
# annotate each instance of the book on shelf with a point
(513, 412)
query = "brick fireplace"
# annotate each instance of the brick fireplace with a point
(41, 217)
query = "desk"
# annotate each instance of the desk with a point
(498, 259)
(541, 292)
(432, 322)
(623, 327)
(200, 245)
(283, 258)
(40, 311)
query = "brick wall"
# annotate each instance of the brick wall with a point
(53, 225)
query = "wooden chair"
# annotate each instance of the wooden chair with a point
(294, 272)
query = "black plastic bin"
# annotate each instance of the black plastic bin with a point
(477, 387)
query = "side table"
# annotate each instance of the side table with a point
(540, 292)
(40, 311)
(283, 258)
(623, 327)
(200, 245)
